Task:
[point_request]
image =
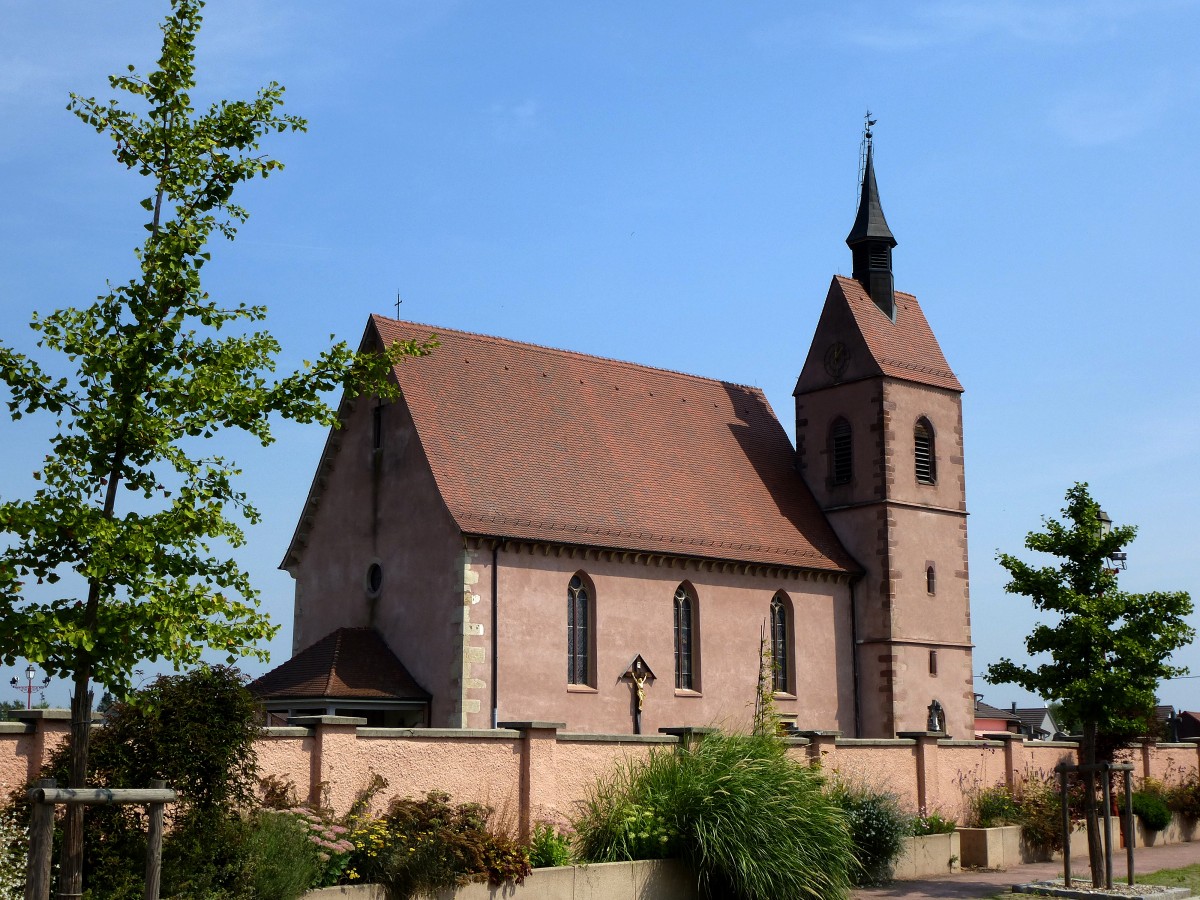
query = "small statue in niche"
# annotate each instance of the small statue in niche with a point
(937, 718)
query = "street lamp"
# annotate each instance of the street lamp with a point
(1117, 557)
(28, 689)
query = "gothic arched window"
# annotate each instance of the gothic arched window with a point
(579, 618)
(781, 627)
(684, 654)
(926, 459)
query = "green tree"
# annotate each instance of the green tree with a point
(130, 518)
(1107, 649)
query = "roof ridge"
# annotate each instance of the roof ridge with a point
(492, 339)
(333, 659)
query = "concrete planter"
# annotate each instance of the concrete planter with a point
(930, 854)
(1180, 831)
(662, 879)
(990, 848)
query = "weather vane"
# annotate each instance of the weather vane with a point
(863, 146)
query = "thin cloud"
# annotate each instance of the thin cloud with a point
(951, 22)
(513, 123)
(1096, 115)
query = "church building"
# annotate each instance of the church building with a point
(528, 533)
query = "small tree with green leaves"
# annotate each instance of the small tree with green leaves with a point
(1105, 650)
(130, 518)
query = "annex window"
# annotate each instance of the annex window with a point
(781, 627)
(684, 636)
(930, 580)
(841, 459)
(923, 445)
(579, 618)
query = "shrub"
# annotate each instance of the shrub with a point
(1151, 810)
(549, 847)
(1036, 807)
(14, 849)
(1039, 806)
(197, 732)
(283, 861)
(750, 822)
(993, 806)
(421, 846)
(1184, 797)
(878, 828)
(933, 823)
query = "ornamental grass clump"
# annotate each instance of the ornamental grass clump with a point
(751, 823)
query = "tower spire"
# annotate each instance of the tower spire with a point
(870, 240)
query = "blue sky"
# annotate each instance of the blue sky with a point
(671, 183)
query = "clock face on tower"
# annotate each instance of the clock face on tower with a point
(837, 357)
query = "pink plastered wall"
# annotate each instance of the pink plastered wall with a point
(534, 772)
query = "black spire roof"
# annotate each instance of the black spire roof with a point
(871, 242)
(870, 223)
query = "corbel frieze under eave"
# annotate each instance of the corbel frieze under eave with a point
(586, 553)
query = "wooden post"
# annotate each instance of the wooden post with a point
(1064, 773)
(41, 840)
(154, 838)
(1106, 777)
(1129, 826)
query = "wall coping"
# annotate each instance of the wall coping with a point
(309, 721)
(875, 742)
(952, 742)
(506, 734)
(55, 714)
(529, 726)
(585, 737)
(282, 731)
(17, 728)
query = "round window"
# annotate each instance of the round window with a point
(374, 578)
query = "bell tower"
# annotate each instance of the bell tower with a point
(879, 442)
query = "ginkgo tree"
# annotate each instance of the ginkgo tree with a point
(131, 522)
(1100, 651)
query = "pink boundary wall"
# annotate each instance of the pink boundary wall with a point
(532, 770)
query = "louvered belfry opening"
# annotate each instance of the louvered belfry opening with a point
(840, 447)
(926, 462)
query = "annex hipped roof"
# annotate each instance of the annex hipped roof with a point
(534, 443)
(347, 664)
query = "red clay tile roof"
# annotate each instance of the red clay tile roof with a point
(540, 444)
(350, 663)
(905, 348)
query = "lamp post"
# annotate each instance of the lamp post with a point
(28, 689)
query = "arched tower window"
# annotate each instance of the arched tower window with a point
(926, 459)
(841, 458)
(684, 655)
(930, 580)
(781, 627)
(579, 628)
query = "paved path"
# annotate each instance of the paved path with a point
(978, 885)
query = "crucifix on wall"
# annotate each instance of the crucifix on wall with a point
(638, 674)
